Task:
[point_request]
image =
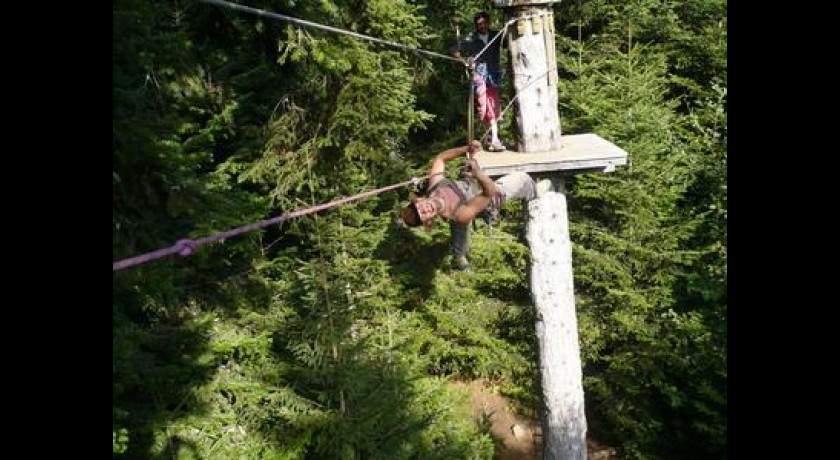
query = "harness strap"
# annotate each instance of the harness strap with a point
(454, 187)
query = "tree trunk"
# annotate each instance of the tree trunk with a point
(534, 66)
(552, 291)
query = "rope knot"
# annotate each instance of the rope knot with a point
(185, 247)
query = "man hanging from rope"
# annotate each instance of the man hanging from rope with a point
(486, 75)
(459, 201)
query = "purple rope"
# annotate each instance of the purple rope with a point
(185, 247)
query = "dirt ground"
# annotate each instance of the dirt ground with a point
(517, 437)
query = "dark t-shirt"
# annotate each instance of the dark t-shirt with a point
(491, 57)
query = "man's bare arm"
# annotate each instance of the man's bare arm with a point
(439, 162)
(468, 211)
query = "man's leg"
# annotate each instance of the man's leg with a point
(459, 245)
(486, 107)
(480, 94)
(495, 102)
(493, 111)
(517, 185)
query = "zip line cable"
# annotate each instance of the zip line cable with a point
(469, 63)
(314, 25)
(504, 29)
(521, 90)
(469, 68)
(470, 108)
(500, 32)
(186, 246)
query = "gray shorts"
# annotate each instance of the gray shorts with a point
(517, 185)
(514, 185)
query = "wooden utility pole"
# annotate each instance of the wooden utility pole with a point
(541, 149)
(552, 290)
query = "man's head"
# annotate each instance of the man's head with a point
(482, 22)
(421, 211)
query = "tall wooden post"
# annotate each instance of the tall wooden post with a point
(534, 66)
(552, 290)
(534, 73)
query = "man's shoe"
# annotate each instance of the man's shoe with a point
(460, 263)
(490, 215)
(496, 147)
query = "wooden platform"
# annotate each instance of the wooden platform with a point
(578, 153)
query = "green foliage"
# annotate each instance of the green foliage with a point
(690, 34)
(652, 335)
(120, 440)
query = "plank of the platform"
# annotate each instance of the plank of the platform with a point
(577, 153)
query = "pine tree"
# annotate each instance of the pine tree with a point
(655, 367)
